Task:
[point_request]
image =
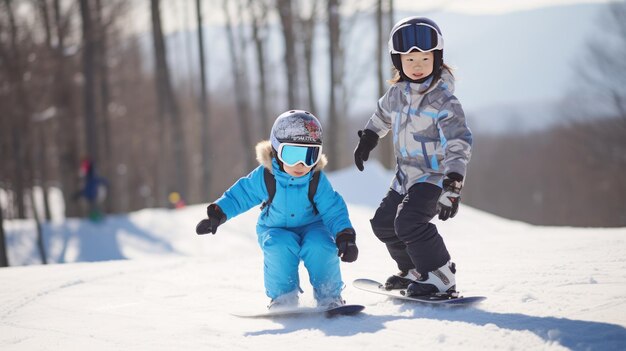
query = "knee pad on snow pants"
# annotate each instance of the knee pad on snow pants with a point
(412, 226)
(383, 228)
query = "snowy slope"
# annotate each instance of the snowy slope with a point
(167, 288)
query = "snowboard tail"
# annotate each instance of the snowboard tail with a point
(435, 299)
(345, 310)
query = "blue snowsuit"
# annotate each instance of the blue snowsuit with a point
(288, 229)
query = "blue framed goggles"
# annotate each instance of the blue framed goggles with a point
(420, 36)
(292, 154)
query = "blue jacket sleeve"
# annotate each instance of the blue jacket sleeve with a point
(246, 193)
(331, 206)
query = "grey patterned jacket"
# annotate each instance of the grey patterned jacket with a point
(430, 135)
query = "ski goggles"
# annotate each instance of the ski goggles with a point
(420, 36)
(292, 154)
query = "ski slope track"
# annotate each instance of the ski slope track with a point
(146, 281)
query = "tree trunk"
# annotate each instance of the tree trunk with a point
(241, 95)
(89, 106)
(308, 31)
(67, 141)
(40, 141)
(4, 259)
(22, 146)
(333, 127)
(19, 133)
(168, 107)
(286, 19)
(43, 7)
(40, 243)
(157, 37)
(89, 92)
(385, 144)
(259, 35)
(204, 109)
(101, 47)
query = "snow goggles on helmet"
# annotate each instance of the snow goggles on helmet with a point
(292, 154)
(411, 36)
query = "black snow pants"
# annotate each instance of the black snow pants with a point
(403, 224)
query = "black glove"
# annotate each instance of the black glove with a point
(216, 218)
(367, 142)
(451, 196)
(346, 245)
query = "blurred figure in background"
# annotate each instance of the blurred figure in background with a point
(94, 189)
(176, 201)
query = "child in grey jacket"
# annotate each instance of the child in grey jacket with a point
(432, 146)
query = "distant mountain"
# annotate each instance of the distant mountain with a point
(514, 69)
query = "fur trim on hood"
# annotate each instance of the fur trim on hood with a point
(264, 156)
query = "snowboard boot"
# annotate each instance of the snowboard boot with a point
(439, 281)
(285, 301)
(331, 302)
(401, 280)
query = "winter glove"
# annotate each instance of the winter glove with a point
(367, 142)
(451, 196)
(216, 218)
(346, 245)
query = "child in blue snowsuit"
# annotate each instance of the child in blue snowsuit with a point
(290, 228)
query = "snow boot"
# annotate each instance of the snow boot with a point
(439, 281)
(331, 302)
(285, 301)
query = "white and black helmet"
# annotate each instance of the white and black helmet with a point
(296, 127)
(416, 34)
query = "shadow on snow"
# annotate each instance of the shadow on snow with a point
(573, 334)
(96, 241)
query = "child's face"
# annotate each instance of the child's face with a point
(417, 65)
(298, 170)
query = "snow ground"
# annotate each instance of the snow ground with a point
(146, 281)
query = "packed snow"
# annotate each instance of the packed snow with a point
(146, 281)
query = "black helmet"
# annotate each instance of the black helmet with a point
(416, 33)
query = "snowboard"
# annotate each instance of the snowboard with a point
(438, 299)
(345, 310)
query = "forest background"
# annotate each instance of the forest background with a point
(171, 97)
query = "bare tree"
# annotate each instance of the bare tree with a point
(204, 108)
(285, 11)
(241, 96)
(4, 259)
(89, 105)
(382, 29)
(21, 127)
(606, 75)
(66, 113)
(308, 36)
(333, 126)
(168, 109)
(259, 13)
(102, 67)
(40, 141)
(13, 63)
